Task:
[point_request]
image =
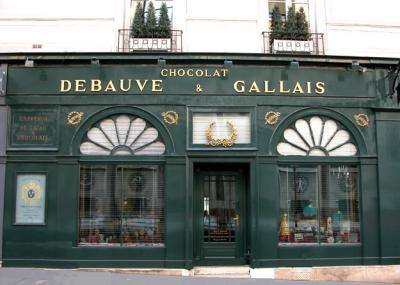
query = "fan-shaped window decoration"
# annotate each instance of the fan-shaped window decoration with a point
(122, 135)
(316, 136)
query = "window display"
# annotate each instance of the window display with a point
(121, 205)
(319, 204)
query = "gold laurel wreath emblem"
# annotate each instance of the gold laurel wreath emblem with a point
(271, 118)
(31, 193)
(170, 117)
(74, 118)
(224, 142)
(362, 120)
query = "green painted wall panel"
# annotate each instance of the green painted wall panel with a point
(175, 205)
(266, 201)
(388, 137)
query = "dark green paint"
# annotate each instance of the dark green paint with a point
(348, 92)
(48, 81)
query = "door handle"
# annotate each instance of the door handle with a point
(237, 219)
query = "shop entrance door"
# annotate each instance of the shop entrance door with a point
(220, 218)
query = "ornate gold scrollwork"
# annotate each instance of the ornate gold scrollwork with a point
(271, 118)
(170, 117)
(362, 120)
(224, 142)
(74, 118)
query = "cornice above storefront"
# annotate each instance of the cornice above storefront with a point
(199, 58)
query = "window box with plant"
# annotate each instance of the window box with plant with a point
(293, 35)
(149, 33)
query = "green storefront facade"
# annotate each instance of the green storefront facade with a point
(178, 160)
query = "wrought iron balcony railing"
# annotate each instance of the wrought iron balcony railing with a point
(127, 43)
(289, 44)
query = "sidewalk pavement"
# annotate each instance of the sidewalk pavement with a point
(29, 276)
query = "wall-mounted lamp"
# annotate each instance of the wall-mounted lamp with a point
(294, 64)
(29, 62)
(94, 61)
(161, 62)
(228, 63)
(355, 65)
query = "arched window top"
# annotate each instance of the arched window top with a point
(316, 136)
(122, 134)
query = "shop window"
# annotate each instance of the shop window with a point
(122, 135)
(121, 205)
(319, 201)
(319, 204)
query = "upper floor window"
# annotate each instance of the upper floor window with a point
(284, 5)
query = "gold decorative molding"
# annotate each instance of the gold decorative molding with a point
(170, 117)
(74, 118)
(362, 120)
(224, 142)
(271, 118)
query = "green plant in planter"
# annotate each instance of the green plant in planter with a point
(151, 22)
(303, 29)
(291, 29)
(276, 25)
(164, 23)
(138, 29)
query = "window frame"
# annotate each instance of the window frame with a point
(138, 160)
(316, 161)
(318, 164)
(245, 109)
(96, 162)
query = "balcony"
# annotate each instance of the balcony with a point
(127, 43)
(314, 45)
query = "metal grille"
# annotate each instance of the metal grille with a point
(127, 43)
(314, 45)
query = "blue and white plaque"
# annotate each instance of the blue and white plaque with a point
(31, 190)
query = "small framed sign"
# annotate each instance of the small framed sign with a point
(30, 201)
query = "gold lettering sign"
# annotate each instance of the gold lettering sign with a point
(156, 86)
(111, 86)
(279, 87)
(194, 72)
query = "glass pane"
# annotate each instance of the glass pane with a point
(99, 207)
(302, 4)
(339, 205)
(121, 205)
(220, 213)
(319, 204)
(299, 205)
(281, 5)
